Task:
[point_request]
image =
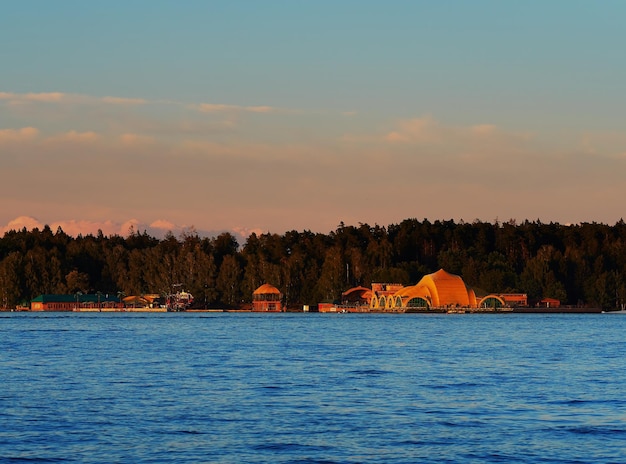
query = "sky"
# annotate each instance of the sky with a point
(269, 116)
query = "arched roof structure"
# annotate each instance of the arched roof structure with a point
(357, 294)
(492, 301)
(410, 295)
(437, 290)
(447, 290)
(135, 300)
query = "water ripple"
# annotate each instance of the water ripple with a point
(305, 388)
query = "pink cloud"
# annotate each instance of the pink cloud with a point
(75, 136)
(71, 227)
(216, 108)
(75, 227)
(45, 97)
(483, 129)
(20, 222)
(428, 131)
(260, 109)
(136, 139)
(164, 225)
(57, 97)
(417, 130)
(124, 101)
(16, 135)
(245, 232)
(17, 98)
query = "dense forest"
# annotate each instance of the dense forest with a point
(577, 264)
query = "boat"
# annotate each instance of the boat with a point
(179, 301)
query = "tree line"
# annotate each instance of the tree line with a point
(577, 264)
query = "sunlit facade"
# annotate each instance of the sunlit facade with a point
(438, 290)
(266, 298)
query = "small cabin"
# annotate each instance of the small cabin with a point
(550, 303)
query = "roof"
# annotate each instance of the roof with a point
(358, 292)
(265, 289)
(135, 299)
(356, 289)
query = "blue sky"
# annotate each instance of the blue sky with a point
(366, 111)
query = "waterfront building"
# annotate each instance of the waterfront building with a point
(76, 302)
(434, 291)
(437, 290)
(440, 290)
(144, 301)
(550, 303)
(266, 298)
(501, 300)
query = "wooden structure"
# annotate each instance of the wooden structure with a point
(266, 298)
(75, 302)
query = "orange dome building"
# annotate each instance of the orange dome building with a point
(266, 298)
(437, 290)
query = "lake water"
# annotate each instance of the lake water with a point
(312, 388)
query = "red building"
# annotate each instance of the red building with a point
(515, 299)
(550, 303)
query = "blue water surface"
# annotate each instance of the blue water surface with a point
(312, 388)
